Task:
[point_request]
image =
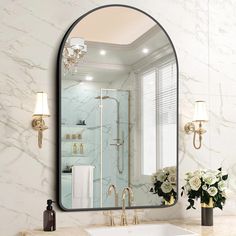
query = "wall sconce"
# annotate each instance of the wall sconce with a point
(200, 116)
(41, 111)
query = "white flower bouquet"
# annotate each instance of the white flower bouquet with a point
(206, 185)
(164, 183)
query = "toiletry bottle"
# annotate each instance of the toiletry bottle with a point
(81, 148)
(49, 217)
(74, 149)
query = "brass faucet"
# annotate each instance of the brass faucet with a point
(113, 187)
(131, 199)
(135, 219)
(111, 217)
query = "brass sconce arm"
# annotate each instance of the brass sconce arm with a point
(191, 128)
(38, 124)
(200, 116)
(41, 111)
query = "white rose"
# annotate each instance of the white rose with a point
(170, 170)
(187, 188)
(212, 191)
(166, 187)
(209, 178)
(172, 178)
(195, 183)
(224, 194)
(161, 176)
(154, 179)
(204, 187)
(221, 185)
(198, 173)
(189, 175)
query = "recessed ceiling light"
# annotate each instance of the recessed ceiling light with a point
(89, 78)
(145, 50)
(103, 52)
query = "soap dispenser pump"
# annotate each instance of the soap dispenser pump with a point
(49, 217)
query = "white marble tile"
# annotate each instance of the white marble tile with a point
(222, 32)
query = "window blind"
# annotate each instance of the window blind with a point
(166, 94)
(149, 139)
(158, 123)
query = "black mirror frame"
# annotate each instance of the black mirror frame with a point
(58, 114)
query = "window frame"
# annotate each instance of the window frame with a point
(138, 173)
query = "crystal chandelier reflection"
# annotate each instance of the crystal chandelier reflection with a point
(74, 50)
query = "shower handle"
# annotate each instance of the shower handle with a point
(117, 143)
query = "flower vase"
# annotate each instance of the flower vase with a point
(207, 213)
(171, 202)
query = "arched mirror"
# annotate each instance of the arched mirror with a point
(118, 112)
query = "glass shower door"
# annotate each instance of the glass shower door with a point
(114, 142)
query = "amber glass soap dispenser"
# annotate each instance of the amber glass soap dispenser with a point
(49, 217)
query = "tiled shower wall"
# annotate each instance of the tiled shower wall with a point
(203, 33)
(78, 103)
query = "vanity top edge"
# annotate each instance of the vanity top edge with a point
(192, 224)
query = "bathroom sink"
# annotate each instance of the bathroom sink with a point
(141, 230)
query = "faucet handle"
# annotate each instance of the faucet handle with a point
(136, 219)
(111, 217)
(123, 220)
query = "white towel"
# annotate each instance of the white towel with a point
(82, 186)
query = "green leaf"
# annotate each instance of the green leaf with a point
(225, 177)
(188, 207)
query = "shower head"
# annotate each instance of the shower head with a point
(103, 97)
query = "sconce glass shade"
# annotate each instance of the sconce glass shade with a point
(41, 107)
(200, 112)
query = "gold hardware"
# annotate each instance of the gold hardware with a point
(209, 205)
(113, 187)
(38, 124)
(111, 217)
(136, 219)
(200, 116)
(131, 198)
(191, 128)
(41, 111)
(171, 202)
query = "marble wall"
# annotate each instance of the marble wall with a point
(203, 33)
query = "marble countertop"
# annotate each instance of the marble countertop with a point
(223, 225)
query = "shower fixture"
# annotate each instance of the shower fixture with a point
(103, 97)
(118, 141)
